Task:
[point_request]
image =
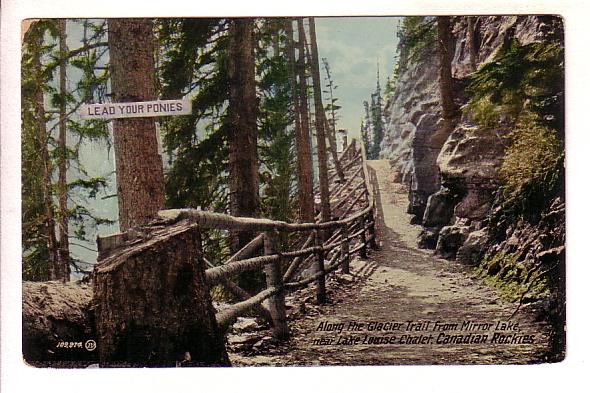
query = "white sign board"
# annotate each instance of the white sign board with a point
(135, 109)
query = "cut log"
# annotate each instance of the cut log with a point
(152, 303)
(57, 323)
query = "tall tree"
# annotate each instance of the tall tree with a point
(331, 123)
(329, 132)
(332, 107)
(376, 120)
(319, 125)
(304, 164)
(367, 128)
(36, 155)
(47, 107)
(276, 139)
(64, 242)
(243, 153)
(445, 52)
(140, 179)
(304, 155)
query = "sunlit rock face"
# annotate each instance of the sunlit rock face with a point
(413, 112)
(456, 184)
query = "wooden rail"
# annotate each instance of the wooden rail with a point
(352, 231)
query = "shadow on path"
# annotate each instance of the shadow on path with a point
(431, 310)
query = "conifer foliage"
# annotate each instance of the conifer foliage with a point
(245, 149)
(57, 77)
(373, 125)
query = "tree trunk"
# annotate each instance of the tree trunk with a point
(64, 243)
(445, 51)
(304, 167)
(329, 131)
(54, 266)
(367, 132)
(319, 124)
(152, 304)
(333, 148)
(140, 179)
(55, 314)
(243, 154)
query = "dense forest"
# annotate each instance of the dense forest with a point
(225, 157)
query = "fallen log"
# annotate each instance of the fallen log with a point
(58, 323)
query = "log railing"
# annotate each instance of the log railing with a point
(350, 231)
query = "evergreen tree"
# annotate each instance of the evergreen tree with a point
(276, 140)
(319, 126)
(331, 107)
(54, 210)
(305, 158)
(367, 129)
(376, 121)
(140, 180)
(193, 57)
(195, 62)
(303, 174)
(40, 249)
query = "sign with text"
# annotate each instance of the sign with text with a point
(135, 109)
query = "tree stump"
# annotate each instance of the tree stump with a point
(152, 304)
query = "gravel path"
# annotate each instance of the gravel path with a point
(404, 306)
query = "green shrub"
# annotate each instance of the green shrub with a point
(417, 33)
(522, 88)
(532, 171)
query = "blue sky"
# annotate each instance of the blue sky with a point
(353, 47)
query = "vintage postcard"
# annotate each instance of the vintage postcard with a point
(293, 191)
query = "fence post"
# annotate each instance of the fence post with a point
(345, 249)
(274, 278)
(321, 281)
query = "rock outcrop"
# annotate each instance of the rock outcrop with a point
(454, 184)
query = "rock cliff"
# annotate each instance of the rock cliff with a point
(455, 186)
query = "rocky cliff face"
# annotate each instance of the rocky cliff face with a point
(454, 188)
(413, 114)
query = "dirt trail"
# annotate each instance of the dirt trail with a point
(401, 284)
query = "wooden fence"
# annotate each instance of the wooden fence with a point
(326, 245)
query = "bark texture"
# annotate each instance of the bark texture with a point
(243, 154)
(140, 179)
(54, 313)
(274, 278)
(64, 243)
(302, 139)
(319, 125)
(152, 304)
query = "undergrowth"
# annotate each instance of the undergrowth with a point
(522, 89)
(514, 280)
